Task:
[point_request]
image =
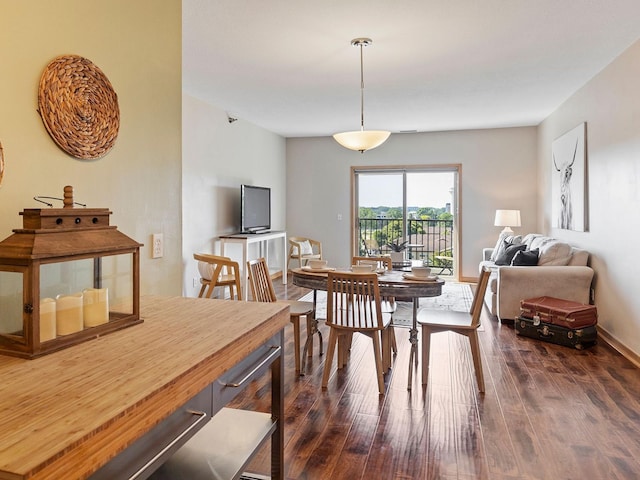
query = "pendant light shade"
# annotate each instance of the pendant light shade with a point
(361, 140)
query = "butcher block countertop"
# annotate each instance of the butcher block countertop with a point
(66, 414)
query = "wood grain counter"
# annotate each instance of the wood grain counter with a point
(66, 414)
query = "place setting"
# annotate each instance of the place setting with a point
(318, 266)
(367, 268)
(420, 274)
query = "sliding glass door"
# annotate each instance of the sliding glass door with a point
(408, 213)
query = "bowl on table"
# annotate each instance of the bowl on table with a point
(421, 272)
(363, 268)
(317, 264)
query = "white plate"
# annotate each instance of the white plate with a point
(430, 278)
(318, 270)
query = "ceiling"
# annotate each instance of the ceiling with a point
(434, 65)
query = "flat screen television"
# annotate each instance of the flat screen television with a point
(255, 208)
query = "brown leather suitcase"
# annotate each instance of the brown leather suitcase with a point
(557, 311)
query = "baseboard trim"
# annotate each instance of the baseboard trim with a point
(622, 349)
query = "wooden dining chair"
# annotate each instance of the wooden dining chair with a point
(216, 271)
(354, 306)
(433, 321)
(262, 291)
(382, 261)
(304, 249)
(388, 303)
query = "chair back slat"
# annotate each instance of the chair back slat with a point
(353, 301)
(478, 298)
(260, 281)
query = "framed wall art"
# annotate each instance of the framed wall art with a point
(569, 180)
(1, 164)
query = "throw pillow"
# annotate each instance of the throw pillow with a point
(206, 270)
(525, 258)
(503, 242)
(498, 247)
(530, 238)
(555, 253)
(509, 252)
(305, 248)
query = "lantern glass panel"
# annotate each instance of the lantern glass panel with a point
(11, 303)
(117, 276)
(65, 278)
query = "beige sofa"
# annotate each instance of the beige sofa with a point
(562, 271)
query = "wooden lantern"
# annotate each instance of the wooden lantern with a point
(66, 277)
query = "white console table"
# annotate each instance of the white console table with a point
(246, 239)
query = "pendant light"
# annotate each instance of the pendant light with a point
(362, 139)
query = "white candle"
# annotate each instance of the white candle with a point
(47, 319)
(96, 306)
(69, 313)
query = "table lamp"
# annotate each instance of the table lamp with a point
(507, 219)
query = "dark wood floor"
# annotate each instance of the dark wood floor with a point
(549, 412)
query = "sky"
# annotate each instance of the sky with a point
(424, 189)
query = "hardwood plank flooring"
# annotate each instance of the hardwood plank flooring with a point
(549, 412)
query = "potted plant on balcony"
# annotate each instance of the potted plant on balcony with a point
(397, 251)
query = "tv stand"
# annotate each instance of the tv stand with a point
(261, 237)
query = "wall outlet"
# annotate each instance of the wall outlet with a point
(158, 246)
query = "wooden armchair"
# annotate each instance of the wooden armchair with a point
(304, 249)
(216, 271)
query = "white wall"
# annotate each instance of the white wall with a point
(138, 47)
(610, 104)
(218, 157)
(498, 171)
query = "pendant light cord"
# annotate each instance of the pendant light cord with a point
(361, 89)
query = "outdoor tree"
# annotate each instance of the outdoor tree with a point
(366, 212)
(394, 212)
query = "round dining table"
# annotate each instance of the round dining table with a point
(392, 283)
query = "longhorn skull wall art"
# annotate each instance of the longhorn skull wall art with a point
(568, 180)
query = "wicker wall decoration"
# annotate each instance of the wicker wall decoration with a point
(79, 107)
(1, 164)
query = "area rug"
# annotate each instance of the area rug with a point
(456, 297)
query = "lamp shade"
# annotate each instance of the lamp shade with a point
(362, 140)
(507, 218)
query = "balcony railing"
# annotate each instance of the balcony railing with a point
(427, 240)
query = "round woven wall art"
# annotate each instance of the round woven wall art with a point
(79, 107)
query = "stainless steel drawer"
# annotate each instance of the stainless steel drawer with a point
(236, 379)
(156, 446)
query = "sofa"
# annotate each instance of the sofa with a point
(532, 266)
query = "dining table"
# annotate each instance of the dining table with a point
(392, 283)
